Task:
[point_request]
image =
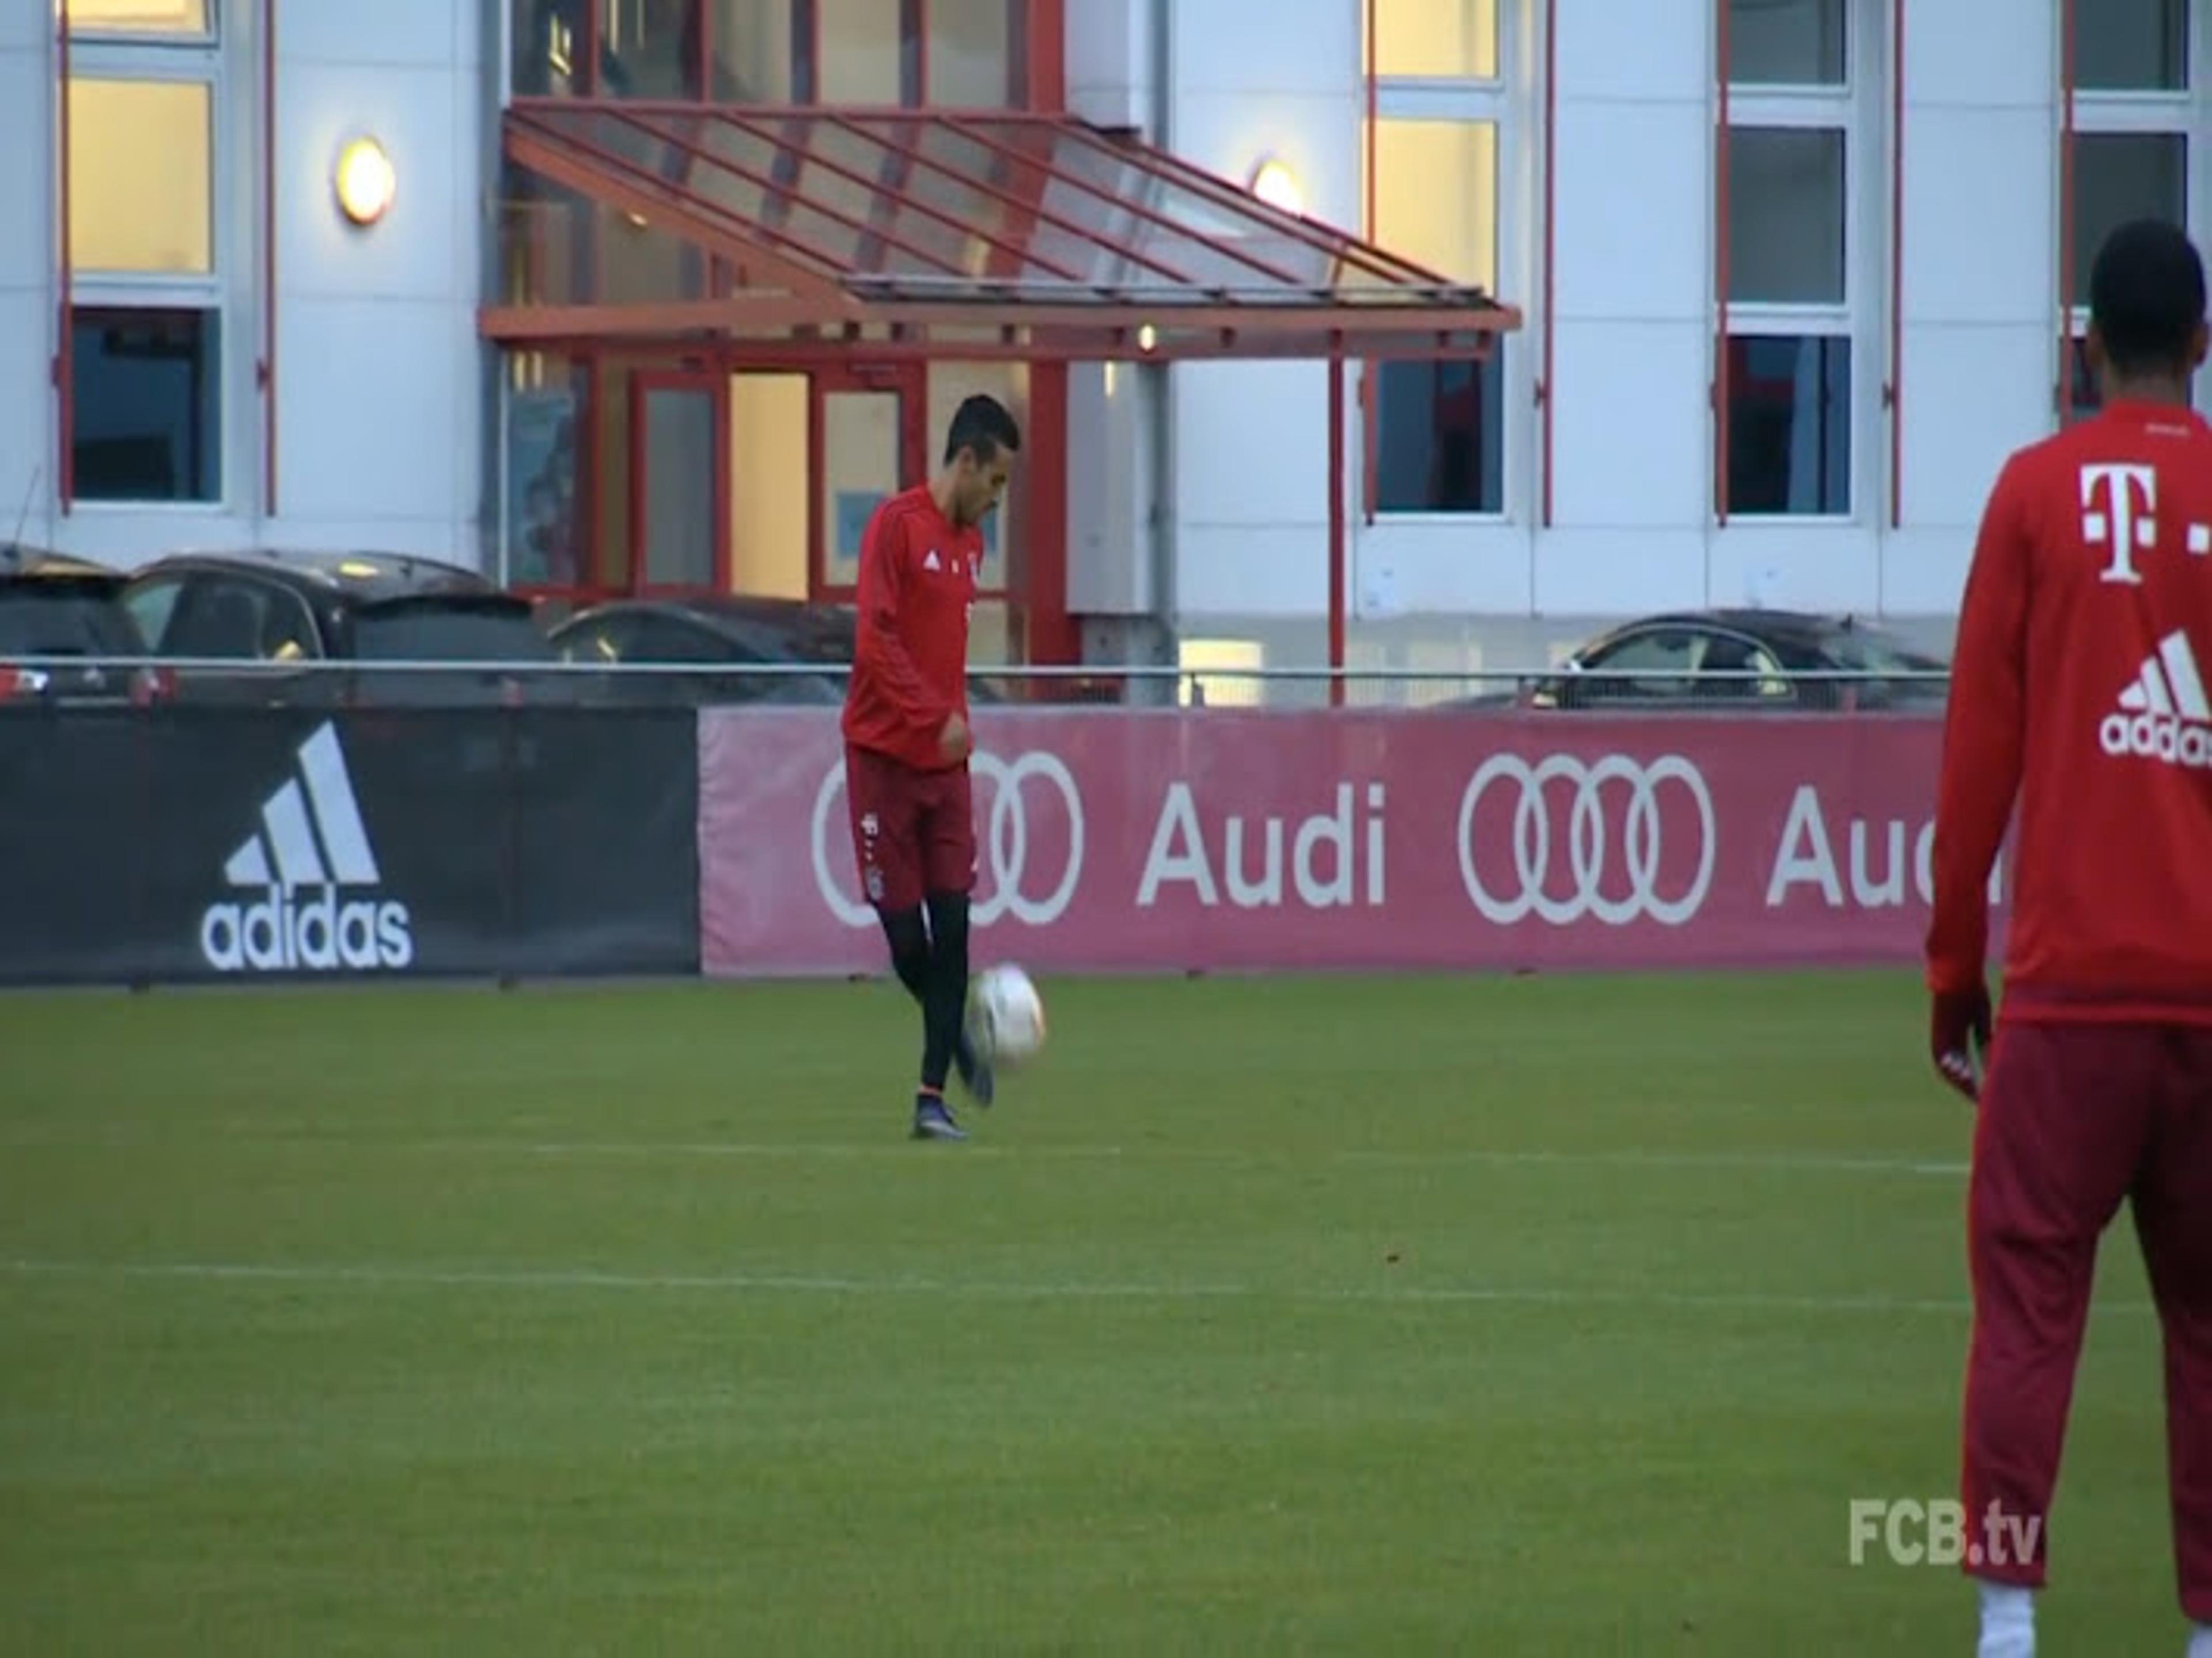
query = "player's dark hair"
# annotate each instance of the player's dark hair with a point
(2147, 298)
(983, 425)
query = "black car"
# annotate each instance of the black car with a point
(286, 607)
(696, 651)
(726, 635)
(71, 616)
(18, 559)
(1739, 660)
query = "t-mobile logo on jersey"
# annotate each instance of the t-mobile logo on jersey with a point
(2110, 516)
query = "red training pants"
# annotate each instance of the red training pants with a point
(2074, 1118)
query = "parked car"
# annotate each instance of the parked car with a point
(723, 637)
(1656, 663)
(280, 607)
(830, 633)
(60, 609)
(16, 558)
(724, 634)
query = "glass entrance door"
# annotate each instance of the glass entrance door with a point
(679, 492)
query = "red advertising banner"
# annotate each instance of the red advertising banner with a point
(1181, 839)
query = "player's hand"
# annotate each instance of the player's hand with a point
(956, 740)
(1959, 1037)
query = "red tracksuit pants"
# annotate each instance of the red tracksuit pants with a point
(2073, 1119)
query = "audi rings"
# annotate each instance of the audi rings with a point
(1004, 845)
(1642, 844)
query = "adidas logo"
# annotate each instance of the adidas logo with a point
(2164, 715)
(311, 846)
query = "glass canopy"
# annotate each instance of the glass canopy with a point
(1062, 239)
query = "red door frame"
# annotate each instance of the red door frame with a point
(715, 387)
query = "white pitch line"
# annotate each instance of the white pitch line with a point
(1846, 1162)
(1777, 1162)
(400, 1278)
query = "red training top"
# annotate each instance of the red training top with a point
(2080, 686)
(918, 578)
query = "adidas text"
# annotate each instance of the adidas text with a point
(311, 848)
(2158, 737)
(289, 931)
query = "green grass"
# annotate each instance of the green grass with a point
(1546, 1316)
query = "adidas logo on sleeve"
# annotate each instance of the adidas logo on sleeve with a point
(311, 847)
(2163, 715)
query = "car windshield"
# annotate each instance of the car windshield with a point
(42, 618)
(449, 629)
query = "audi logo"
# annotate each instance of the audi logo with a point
(1011, 887)
(1590, 839)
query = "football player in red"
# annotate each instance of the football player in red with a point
(2079, 714)
(907, 738)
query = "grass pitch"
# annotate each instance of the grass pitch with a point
(1546, 1316)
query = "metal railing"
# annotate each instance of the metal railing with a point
(152, 681)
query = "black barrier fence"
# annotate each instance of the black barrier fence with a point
(208, 844)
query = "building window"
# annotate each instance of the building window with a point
(148, 403)
(1790, 424)
(2131, 46)
(2119, 176)
(972, 61)
(142, 176)
(965, 54)
(1787, 242)
(1788, 43)
(1444, 123)
(2137, 147)
(164, 18)
(1794, 293)
(147, 344)
(1436, 39)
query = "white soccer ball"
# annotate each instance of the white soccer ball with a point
(1006, 1015)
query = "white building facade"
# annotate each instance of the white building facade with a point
(1796, 275)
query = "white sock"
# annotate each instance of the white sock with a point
(2007, 1622)
(2200, 1641)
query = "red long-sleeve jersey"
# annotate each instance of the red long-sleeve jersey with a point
(918, 579)
(2079, 689)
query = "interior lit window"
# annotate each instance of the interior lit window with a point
(1436, 195)
(142, 176)
(140, 16)
(1441, 40)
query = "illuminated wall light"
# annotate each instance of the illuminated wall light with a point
(1273, 183)
(365, 181)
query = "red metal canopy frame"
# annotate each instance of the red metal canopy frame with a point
(831, 234)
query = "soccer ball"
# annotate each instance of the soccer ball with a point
(1005, 1016)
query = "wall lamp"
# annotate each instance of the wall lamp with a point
(1273, 183)
(365, 181)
